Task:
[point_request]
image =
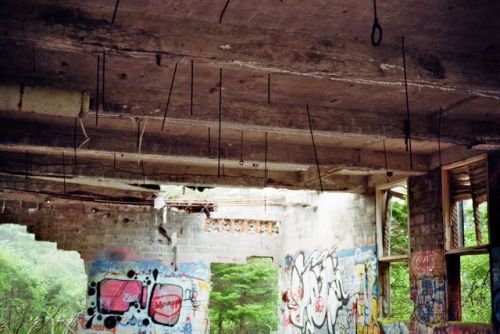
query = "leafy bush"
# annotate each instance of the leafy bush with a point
(244, 297)
(40, 286)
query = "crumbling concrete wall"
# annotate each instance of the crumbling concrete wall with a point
(146, 271)
(149, 269)
(135, 281)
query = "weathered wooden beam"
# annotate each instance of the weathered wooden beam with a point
(252, 111)
(120, 136)
(330, 177)
(452, 155)
(80, 188)
(152, 171)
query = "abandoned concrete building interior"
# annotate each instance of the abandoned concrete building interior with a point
(291, 127)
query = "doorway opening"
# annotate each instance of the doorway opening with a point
(244, 297)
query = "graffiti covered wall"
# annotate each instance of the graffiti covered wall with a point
(145, 296)
(428, 289)
(329, 269)
(428, 294)
(331, 291)
(148, 269)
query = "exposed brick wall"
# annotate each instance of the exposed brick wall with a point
(125, 253)
(85, 227)
(427, 261)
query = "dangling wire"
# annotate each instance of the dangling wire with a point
(26, 173)
(269, 88)
(220, 122)
(386, 164)
(407, 125)
(241, 150)
(314, 147)
(169, 96)
(223, 11)
(192, 86)
(103, 95)
(97, 90)
(439, 136)
(87, 138)
(139, 148)
(265, 161)
(209, 144)
(376, 28)
(64, 174)
(115, 12)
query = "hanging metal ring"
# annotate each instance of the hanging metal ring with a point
(376, 32)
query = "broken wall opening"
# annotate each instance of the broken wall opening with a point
(42, 288)
(323, 244)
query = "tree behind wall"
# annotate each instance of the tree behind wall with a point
(244, 297)
(40, 286)
(475, 271)
(401, 304)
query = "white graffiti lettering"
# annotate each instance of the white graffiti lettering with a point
(317, 292)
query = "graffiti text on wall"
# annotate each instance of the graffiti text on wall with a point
(425, 261)
(147, 301)
(317, 291)
(429, 299)
(332, 292)
(395, 328)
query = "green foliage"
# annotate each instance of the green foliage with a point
(401, 304)
(469, 227)
(244, 297)
(474, 269)
(40, 286)
(476, 293)
(399, 227)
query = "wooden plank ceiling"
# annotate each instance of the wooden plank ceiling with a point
(275, 57)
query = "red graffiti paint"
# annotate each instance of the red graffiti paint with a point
(319, 305)
(166, 303)
(116, 296)
(144, 299)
